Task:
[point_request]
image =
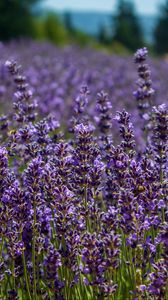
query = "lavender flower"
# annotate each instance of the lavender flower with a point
(24, 106)
(145, 92)
(126, 131)
(81, 215)
(105, 119)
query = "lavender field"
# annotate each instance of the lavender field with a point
(83, 174)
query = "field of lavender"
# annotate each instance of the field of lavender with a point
(83, 174)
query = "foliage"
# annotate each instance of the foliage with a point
(16, 18)
(119, 49)
(103, 36)
(127, 30)
(161, 32)
(68, 22)
(54, 29)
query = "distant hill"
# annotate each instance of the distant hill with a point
(90, 22)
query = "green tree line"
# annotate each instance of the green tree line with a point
(18, 19)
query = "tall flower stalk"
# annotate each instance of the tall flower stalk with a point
(82, 215)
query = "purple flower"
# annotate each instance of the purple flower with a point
(141, 55)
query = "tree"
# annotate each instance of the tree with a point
(54, 29)
(103, 36)
(16, 18)
(127, 30)
(68, 22)
(161, 31)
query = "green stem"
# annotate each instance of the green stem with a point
(34, 253)
(26, 277)
(13, 272)
(161, 181)
(1, 250)
(1, 247)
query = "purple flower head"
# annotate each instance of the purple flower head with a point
(126, 132)
(145, 92)
(3, 159)
(82, 100)
(141, 55)
(12, 66)
(104, 109)
(83, 130)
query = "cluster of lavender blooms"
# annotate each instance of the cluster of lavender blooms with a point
(82, 216)
(56, 76)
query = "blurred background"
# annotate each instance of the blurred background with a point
(117, 26)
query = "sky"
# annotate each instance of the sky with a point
(143, 6)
